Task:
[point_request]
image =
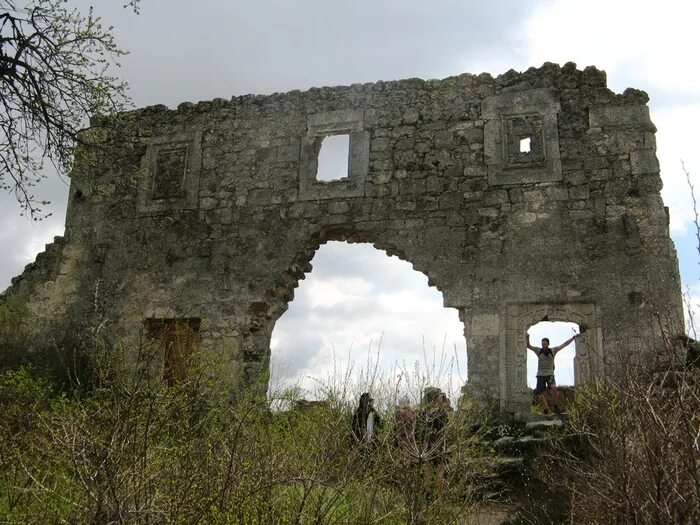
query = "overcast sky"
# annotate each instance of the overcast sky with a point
(357, 296)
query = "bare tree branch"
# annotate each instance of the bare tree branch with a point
(54, 75)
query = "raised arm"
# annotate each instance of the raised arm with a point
(565, 343)
(529, 346)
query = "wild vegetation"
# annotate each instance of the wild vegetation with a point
(100, 437)
(131, 449)
(628, 453)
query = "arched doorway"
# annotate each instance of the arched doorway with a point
(363, 320)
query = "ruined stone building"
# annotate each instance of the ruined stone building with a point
(523, 196)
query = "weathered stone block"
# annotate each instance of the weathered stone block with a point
(485, 324)
(620, 116)
(381, 144)
(338, 207)
(557, 193)
(496, 197)
(579, 192)
(643, 161)
(444, 139)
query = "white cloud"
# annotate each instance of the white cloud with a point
(641, 40)
(642, 44)
(691, 298)
(677, 140)
(339, 290)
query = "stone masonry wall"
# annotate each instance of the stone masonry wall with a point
(213, 211)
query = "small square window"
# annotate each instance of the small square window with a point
(525, 145)
(333, 158)
(524, 140)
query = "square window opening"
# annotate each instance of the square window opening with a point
(525, 145)
(333, 159)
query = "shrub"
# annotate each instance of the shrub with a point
(629, 454)
(132, 449)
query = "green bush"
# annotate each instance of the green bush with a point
(132, 449)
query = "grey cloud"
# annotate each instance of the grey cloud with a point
(233, 48)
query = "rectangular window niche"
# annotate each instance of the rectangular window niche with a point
(334, 156)
(170, 173)
(521, 137)
(176, 338)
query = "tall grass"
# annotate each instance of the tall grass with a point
(349, 376)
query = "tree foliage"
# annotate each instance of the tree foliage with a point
(54, 74)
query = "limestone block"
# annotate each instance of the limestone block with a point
(489, 212)
(410, 115)
(579, 192)
(380, 144)
(485, 324)
(557, 193)
(207, 204)
(533, 196)
(526, 217)
(335, 121)
(444, 139)
(338, 207)
(496, 197)
(620, 116)
(643, 161)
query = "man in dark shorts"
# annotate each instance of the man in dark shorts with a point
(545, 370)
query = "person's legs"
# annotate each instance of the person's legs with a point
(540, 390)
(552, 385)
(555, 397)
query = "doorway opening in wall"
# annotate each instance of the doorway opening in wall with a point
(333, 159)
(176, 338)
(557, 332)
(364, 321)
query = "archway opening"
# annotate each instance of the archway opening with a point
(360, 321)
(558, 332)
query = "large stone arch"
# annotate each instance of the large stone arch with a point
(212, 211)
(266, 313)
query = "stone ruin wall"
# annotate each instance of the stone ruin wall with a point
(212, 211)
